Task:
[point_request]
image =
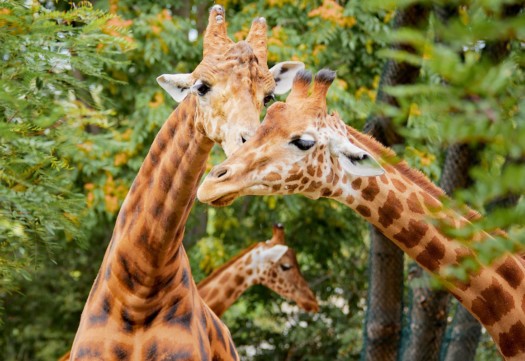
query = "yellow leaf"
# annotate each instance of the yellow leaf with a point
(111, 204)
(375, 83)
(333, 12)
(120, 159)
(158, 99)
(127, 134)
(463, 15)
(272, 202)
(86, 147)
(90, 199)
(414, 110)
(368, 46)
(89, 186)
(389, 15)
(240, 35)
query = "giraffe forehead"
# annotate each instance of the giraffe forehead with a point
(233, 67)
(292, 116)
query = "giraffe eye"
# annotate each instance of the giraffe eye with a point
(268, 99)
(202, 88)
(285, 266)
(303, 144)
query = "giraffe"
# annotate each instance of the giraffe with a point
(300, 148)
(144, 304)
(270, 263)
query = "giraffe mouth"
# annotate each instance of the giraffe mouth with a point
(225, 199)
(310, 306)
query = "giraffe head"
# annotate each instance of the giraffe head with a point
(279, 271)
(232, 82)
(299, 148)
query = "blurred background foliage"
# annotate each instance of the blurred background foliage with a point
(79, 107)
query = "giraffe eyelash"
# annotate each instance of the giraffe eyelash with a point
(286, 267)
(303, 144)
(357, 158)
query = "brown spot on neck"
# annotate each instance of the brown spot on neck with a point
(492, 304)
(356, 183)
(400, 186)
(390, 211)
(371, 190)
(384, 179)
(363, 210)
(511, 272)
(414, 205)
(413, 235)
(432, 254)
(512, 343)
(431, 203)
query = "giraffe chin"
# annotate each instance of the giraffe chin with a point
(225, 200)
(311, 306)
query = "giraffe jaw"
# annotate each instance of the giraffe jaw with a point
(224, 200)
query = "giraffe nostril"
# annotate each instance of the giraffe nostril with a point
(220, 172)
(243, 140)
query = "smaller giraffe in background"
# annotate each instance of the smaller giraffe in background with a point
(271, 264)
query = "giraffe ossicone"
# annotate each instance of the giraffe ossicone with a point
(232, 82)
(300, 148)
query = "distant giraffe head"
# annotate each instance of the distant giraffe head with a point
(232, 82)
(299, 148)
(284, 275)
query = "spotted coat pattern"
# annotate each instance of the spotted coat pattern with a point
(144, 304)
(225, 285)
(401, 201)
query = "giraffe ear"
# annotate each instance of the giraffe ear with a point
(177, 85)
(284, 73)
(273, 254)
(356, 161)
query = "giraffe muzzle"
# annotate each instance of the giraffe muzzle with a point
(309, 304)
(220, 173)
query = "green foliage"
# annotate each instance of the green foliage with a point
(45, 108)
(470, 92)
(80, 106)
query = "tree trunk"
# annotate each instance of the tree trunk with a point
(385, 295)
(464, 336)
(429, 307)
(428, 311)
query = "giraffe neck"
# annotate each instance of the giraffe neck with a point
(144, 289)
(225, 285)
(152, 218)
(156, 209)
(407, 209)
